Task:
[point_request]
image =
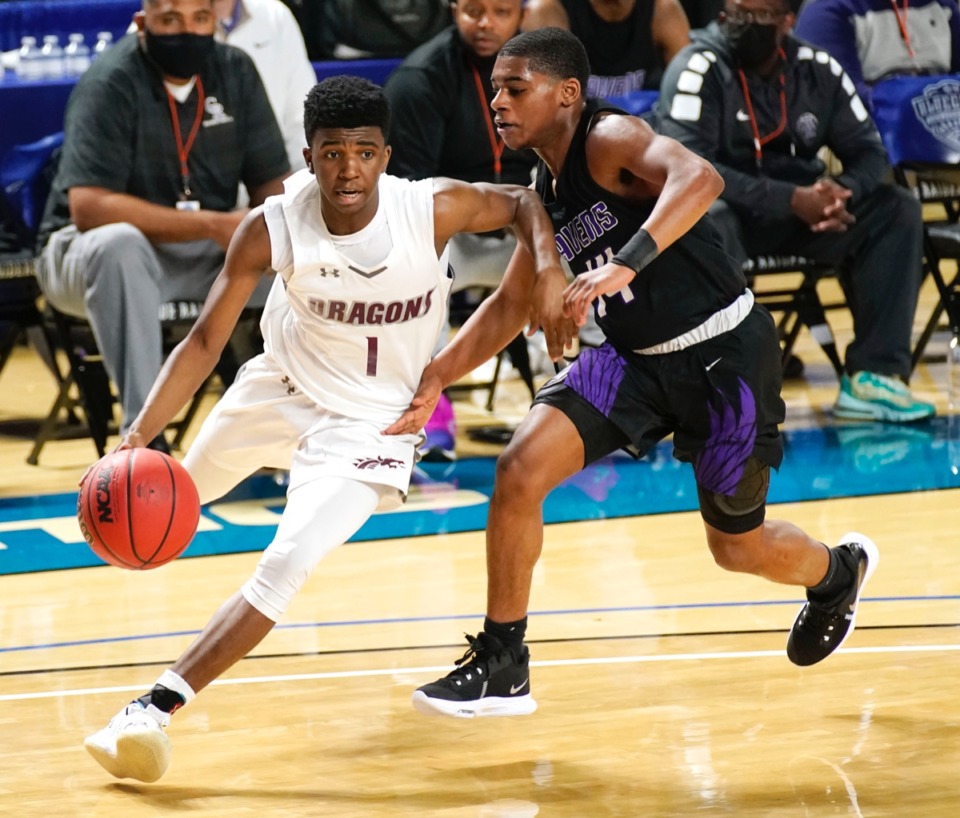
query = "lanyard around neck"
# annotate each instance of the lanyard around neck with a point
(183, 150)
(495, 146)
(901, 14)
(760, 141)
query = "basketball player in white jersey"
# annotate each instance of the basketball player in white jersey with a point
(353, 317)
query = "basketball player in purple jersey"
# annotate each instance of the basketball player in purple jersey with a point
(687, 352)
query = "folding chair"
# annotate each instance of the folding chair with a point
(799, 305)
(87, 377)
(919, 122)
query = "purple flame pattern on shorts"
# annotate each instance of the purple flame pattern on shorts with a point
(733, 434)
(596, 376)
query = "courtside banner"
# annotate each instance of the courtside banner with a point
(919, 118)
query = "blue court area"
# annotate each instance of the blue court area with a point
(40, 533)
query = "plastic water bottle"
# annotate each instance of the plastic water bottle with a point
(953, 374)
(76, 56)
(953, 402)
(104, 41)
(29, 65)
(52, 57)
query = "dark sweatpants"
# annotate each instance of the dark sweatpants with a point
(881, 279)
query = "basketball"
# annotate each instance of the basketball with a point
(138, 509)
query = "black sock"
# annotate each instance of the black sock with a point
(163, 699)
(834, 586)
(509, 633)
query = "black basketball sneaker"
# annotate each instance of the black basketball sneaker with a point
(489, 680)
(820, 629)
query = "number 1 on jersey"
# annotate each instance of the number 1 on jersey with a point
(371, 356)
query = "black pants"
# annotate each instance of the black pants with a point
(880, 258)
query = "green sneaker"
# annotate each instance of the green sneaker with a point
(871, 396)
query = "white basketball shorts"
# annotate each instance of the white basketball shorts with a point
(263, 420)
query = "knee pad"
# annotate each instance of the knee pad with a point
(743, 510)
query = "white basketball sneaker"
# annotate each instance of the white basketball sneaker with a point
(133, 744)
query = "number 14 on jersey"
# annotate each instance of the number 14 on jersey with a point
(596, 263)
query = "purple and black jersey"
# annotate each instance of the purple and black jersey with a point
(688, 282)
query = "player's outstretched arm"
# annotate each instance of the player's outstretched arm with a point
(478, 208)
(191, 363)
(534, 267)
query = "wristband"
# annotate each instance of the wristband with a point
(638, 252)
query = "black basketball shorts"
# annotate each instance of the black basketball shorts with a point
(720, 399)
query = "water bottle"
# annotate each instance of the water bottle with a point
(76, 56)
(953, 402)
(953, 374)
(104, 41)
(51, 57)
(29, 66)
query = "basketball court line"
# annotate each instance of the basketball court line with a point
(404, 620)
(314, 654)
(431, 669)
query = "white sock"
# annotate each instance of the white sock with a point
(172, 681)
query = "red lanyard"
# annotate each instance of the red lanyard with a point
(183, 151)
(901, 14)
(495, 146)
(760, 141)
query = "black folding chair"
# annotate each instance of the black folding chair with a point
(921, 133)
(799, 305)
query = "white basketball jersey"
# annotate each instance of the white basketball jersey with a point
(355, 338)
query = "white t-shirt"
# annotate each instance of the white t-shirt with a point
(355, 331)
(268, 32)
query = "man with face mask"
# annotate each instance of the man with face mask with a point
(760, 104)
(159, 134)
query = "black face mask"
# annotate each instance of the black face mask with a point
(751, 42)
(178, 55)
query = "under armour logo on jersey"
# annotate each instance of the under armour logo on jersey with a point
(326, 272)
(377, 462)
(285, 380)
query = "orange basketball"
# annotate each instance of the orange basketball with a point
(138, 509)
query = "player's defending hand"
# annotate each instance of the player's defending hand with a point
(547, 313)
(578, 297)
(421, 407)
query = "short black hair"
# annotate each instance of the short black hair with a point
(345, 102)
(551, 51)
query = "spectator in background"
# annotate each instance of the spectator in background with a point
(874, 39)
(759, 104)
(443, 126)
(159, 134)
(700, 13)
(268, 32)
(353, 29)
(628, 41)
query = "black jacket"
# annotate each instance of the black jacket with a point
(702, 104)
(439, 125)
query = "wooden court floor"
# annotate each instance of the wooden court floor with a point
(663, 685)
